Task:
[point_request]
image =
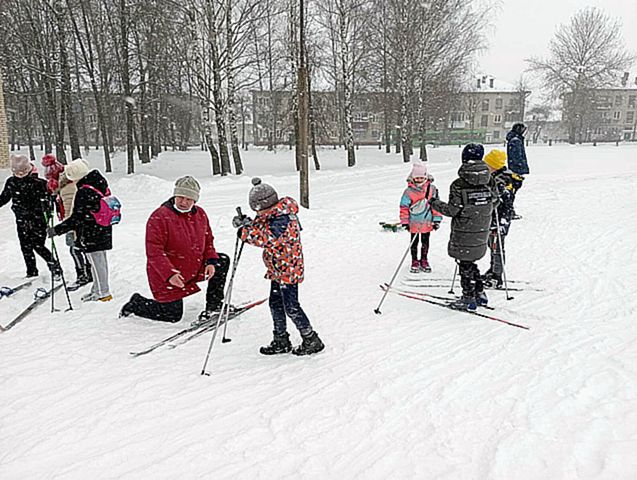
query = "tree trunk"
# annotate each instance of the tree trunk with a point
(128, 99)
(317, 164)
(67, 101)
(347, 94)
(232, 116)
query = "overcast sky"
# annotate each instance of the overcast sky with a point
(523, 28)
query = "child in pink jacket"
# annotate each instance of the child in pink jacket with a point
(417, 216)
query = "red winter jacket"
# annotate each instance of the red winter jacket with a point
(278, 232)
(177, 242)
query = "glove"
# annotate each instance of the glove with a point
(50, 232)
(240, 221)
(405, 226)
(436, 225)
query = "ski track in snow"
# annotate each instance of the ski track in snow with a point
(417, 392)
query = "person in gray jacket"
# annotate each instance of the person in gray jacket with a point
(471, 201)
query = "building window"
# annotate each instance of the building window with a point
(496, 134)
(498, 103)
(511, 117)
(630, 117)
(497, 118)
(618, 100)
(484, 121)
(485, 105)
(631, 101)
(617, 115)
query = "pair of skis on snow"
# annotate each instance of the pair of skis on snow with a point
(40, 296)
(194, 331)
(445, 302)
(425, 281)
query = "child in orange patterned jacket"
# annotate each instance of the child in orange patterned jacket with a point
(276, 229)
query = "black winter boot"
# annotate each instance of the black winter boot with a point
(279, 344)
(82, 279)
(129, 308)
(311, 344)
(56, 270)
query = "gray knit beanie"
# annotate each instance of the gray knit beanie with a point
(187, 187)
(262, 196)
(20, 165)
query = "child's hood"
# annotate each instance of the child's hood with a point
(285, 206)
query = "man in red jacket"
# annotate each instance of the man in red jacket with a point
(180, 252)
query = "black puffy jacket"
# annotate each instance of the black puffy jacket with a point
(471, 201)
(28, 195)
(504, 187)
(91, 237)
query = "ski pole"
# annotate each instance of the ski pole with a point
(226, 302)
(391, 283)
(501, 248)
(453, 280)
(225, 339)
(56, 260)
(235, 264)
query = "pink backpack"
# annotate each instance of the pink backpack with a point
(110, 208)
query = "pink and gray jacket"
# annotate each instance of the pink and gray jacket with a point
(415, 209)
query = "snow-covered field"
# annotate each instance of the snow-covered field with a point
(418, 392)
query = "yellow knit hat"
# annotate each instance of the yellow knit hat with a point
(496, 159)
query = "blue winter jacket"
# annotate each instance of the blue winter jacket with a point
(516, 153)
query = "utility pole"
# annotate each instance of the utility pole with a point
(303, 118)
(4, 139)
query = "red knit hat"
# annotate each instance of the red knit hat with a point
(52, 168)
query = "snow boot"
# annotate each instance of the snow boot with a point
(211, 312)
(481, 299)
(81, 280)
(491, 280)
(415, 266)
(279, 344)
(466, 302)
(56, 271)
(311, 344)
(127, 309)
(424, 266)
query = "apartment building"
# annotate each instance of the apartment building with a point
(488, 110)
(484, 112)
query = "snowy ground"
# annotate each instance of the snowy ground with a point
(419, 392)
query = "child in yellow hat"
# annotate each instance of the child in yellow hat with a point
(501, 217)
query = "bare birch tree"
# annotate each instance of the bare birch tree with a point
(586, 54)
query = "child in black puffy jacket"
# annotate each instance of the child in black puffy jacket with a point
(31, 205)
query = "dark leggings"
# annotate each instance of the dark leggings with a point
(284, 301)
(173, 311)
(470, 278)
(32, 236)
(424, 240)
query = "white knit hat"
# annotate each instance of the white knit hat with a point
(77, 169)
